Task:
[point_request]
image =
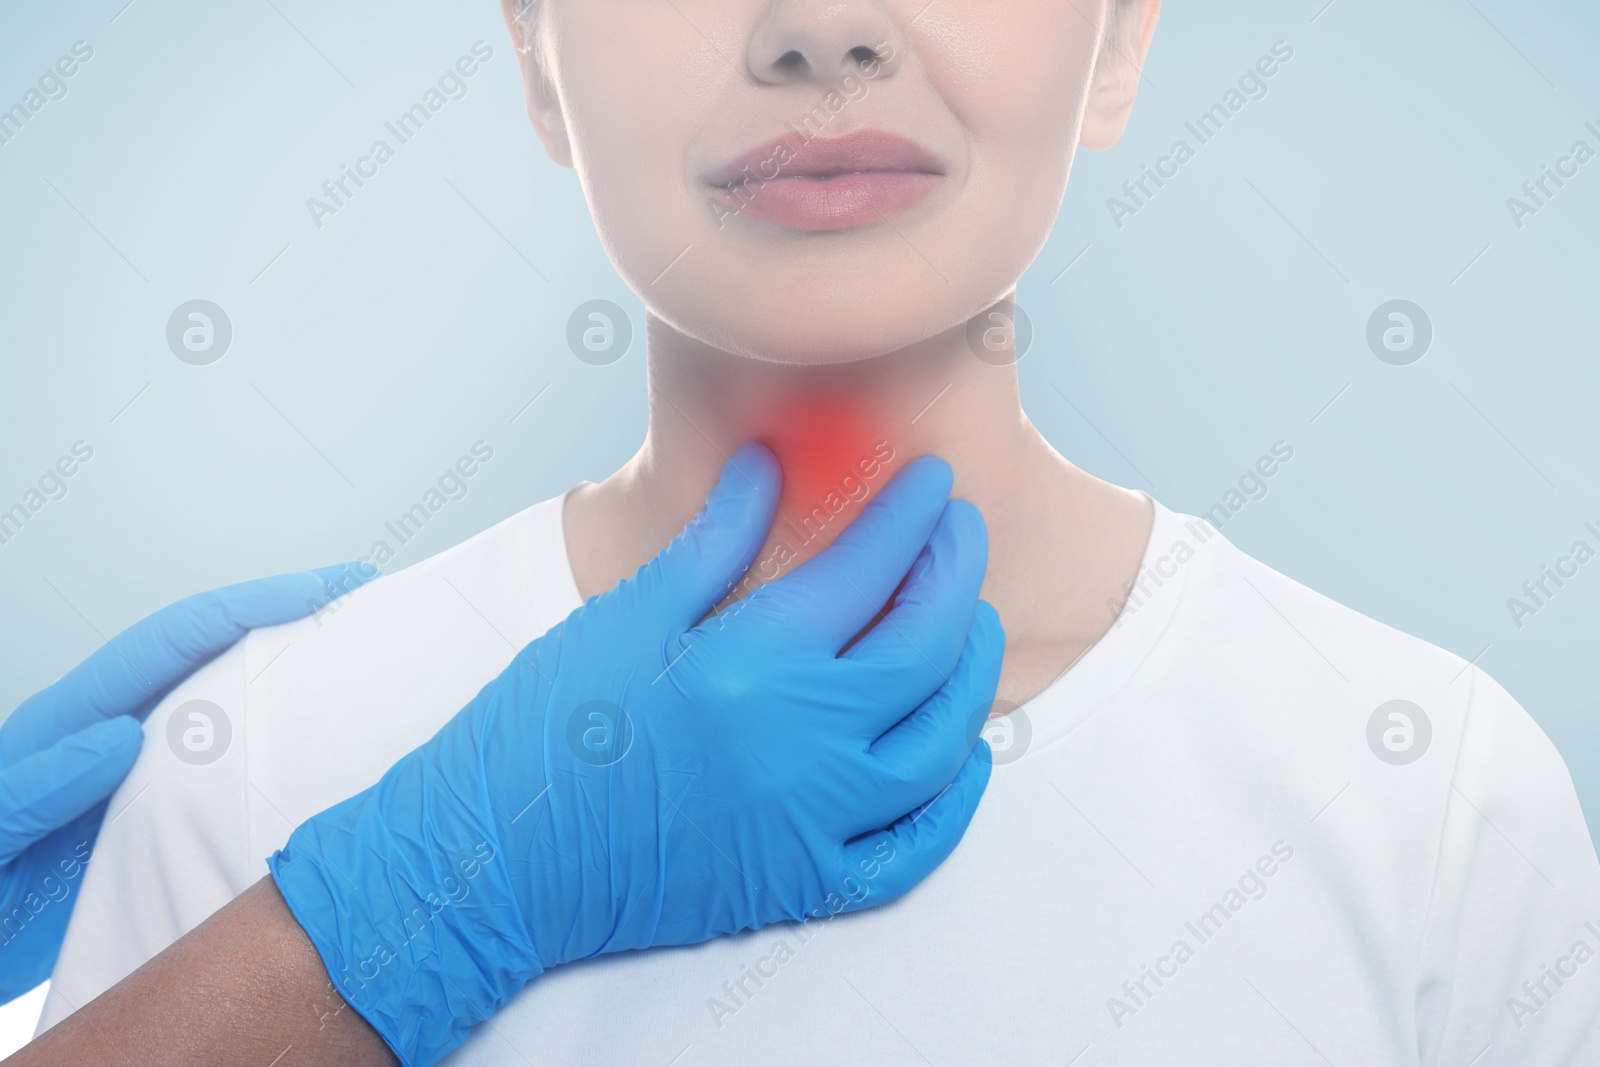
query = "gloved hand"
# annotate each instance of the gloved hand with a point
(65, 749)
(640, 777)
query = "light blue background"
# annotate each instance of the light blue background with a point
(1223, 317)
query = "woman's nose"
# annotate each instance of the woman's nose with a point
(819, 40)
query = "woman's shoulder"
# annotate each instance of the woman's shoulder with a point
(291, 720)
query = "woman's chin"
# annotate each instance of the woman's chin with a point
(786, 326)
(841, 339)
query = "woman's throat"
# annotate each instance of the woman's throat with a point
(834, 458)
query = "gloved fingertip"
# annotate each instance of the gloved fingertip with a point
(704, 562)
(753, 458)
(120, 735)
(986, 621)
(746, 491)
(929, 473)
(964, 514)
(981, 713)
(960, 801)
(342, 579)
(751, 469)
(978, 765)
(965, 526)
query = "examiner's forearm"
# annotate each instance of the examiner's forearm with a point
(246, 986)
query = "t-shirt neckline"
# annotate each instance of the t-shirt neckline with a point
(1111, 662)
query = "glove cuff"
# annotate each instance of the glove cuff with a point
(411, 932)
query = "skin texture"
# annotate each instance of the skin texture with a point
(244, 987)
(823, 344)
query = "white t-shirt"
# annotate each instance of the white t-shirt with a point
(1220, 843)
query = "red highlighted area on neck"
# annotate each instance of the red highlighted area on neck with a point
(834, 457)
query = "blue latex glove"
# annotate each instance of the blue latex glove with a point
(640, 777)
(64, 751)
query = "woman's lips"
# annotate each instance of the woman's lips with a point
(832, 203)
(827, 183)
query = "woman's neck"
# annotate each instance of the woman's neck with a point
(1060, 541)
(839, 431)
